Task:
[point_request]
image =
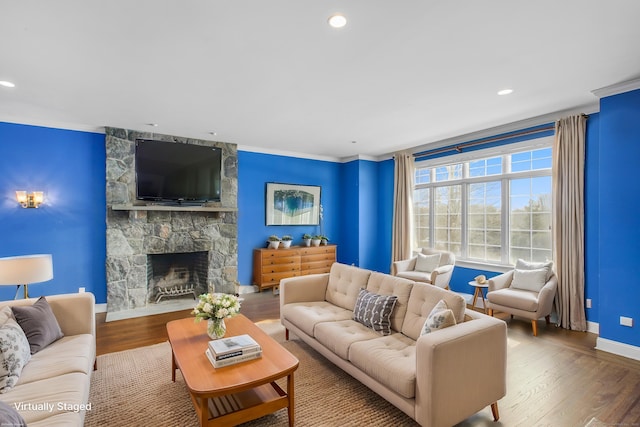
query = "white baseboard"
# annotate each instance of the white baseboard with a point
(619, 348)
(593, 327)
(101, 308)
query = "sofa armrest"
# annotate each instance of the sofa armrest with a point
(501, 281)
(312, 287)
(404, 265)
(460, 370)
(441, 276)
(546, 296)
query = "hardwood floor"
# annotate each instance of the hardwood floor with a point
(554, 379)
(141, 331)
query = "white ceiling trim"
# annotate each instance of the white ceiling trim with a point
(617, 88)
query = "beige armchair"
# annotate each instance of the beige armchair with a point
(527, 303)
(429, 269)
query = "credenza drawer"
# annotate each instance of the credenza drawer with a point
(322, 264)
(318, 257)
(274, 278)
(315, 271)
(280, 260)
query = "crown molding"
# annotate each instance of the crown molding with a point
(51, 124)
(617, 88)
(589, 108)
(262, 150)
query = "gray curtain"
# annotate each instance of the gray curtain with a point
(402, 206)
(568, 220)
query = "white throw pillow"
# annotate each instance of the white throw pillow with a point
(526, 265)
(427, 263)
(529, 280)
(440, 317)
(14, 354)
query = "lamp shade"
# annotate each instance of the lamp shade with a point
(19, 270)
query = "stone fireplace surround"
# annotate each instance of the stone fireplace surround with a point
(133, 234)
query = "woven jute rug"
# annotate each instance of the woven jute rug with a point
(134, 388)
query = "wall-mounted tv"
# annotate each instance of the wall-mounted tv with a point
(177, 173)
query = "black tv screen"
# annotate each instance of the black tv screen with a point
(174, 172)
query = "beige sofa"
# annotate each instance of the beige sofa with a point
(438, 379)
(53, 388)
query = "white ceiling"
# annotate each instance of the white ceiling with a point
(273, 76)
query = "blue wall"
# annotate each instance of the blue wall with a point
(254, 171)
(619, 236)
(69, 167)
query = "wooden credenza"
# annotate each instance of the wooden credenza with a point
(271, 265)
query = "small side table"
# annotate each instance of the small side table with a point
(478, 292)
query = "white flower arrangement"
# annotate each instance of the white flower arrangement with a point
(216, 306)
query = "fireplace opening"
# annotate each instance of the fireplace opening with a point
(176, 275)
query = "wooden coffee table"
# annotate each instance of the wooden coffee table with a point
(238, 393)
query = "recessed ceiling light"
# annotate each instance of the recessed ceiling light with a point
(153, 125)
(505, 91)
(213, 133)
(354, 142)
(337, 20)
(6, 84)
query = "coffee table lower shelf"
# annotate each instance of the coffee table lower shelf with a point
(237, 408)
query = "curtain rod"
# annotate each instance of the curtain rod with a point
(459, 147)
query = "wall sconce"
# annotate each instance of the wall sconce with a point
(30, 200)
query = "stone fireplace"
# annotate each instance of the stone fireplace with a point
(137, 234)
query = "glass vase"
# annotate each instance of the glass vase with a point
(216, 328)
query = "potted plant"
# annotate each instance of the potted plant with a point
(306, 239)
(315, 240)
(324, 240)
(286, 241)
(274, 241)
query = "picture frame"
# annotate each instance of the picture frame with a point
(292, 204)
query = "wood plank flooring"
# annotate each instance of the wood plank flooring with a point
(555, 379)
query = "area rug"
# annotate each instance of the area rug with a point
(134, 387)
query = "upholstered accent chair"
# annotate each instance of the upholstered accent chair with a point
(527, 291)
(428, 266)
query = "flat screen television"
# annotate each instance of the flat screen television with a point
(177, 173)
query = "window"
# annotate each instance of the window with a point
(492, 208)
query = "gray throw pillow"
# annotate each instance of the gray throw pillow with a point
(38, 323)
(14, 354)
(10, 417)
(374, 311)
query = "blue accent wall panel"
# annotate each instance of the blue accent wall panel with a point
(619, 269)
(255, 170)
(592, 216)
(384, 229)
(69, 167)
(368, 214)
(349, 252)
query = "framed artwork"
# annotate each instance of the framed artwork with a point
(290, 204)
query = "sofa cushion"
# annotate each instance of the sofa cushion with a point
(38, 323)
(5, 314)
(305, 315)
(14, 354)
(515, 298)
(422, 300)
(527, 265)
(440, 317)
(54, 396)
(390, 360)
(385, 284)
(69, 354)
(529, 280)
(338, 336)
(374, 311)
(345, 282)
(10, 417)
(416, 276)
(427, 263)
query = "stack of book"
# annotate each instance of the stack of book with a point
(228, 351)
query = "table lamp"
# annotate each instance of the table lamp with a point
(22, 270)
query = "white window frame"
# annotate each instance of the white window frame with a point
(505, 177)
